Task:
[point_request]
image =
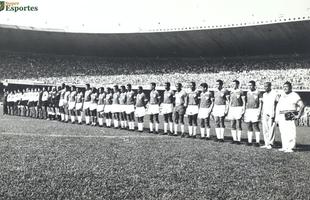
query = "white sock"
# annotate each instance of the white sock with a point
(257, 134)
(217, 131)
(156, 127)
(80, 119)
(171, 127)
(190, 130)
(87, 119)
(250, 134)
(208, 132)
(116, 123)
(132, 125)
(182, 128)
(100, 120)
(165, 127)
(125, 124)
(62, 117)
(140, 126)
(239, 132)
(234, 135)
(151, 127)
(175, 129)
(72, 118)
(202, 132)
(195, 130)
(222, 130)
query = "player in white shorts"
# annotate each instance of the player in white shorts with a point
(192, 110)
(86, 104)
(53, 104)
(66, 103)
(205, 108)
(140, 108)
(79, 105)
(108, 107)
(115, 109)
(269, 102)
(130, 107)
(44, 102)
(252, 113)
(122, 104)
(153, 108)
(167, 108)
(220, 109)
(61, 101)
(290, 108)
(180, 97)
(100, 107)
(93, 106)
(235, 111)
(72, 103)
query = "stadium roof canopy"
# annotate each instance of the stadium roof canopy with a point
(261, 39)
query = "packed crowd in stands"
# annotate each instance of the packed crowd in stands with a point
(53, 69)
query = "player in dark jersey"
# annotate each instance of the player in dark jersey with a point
(100, 107)
(86, 104)
(253, 112)
(66, 103)
(108, 107)
(130, 107)
(236, 111)
(180, 97)
(122, 102)
(93, 106)
(140, 108)
(153, 108)
(167, 108)
(79, 104)
(220, 109)
(57, 103)
(192, 110)
(205, 108)
(53, 103)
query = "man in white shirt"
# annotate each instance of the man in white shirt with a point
(290, 108)
(268, 114)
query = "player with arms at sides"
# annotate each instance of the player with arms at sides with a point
(18, 101)
(236, 111)
(167, 108)
(290, 108)
(140, 108)
(86, 104)
(66, 103)
(252, 112)
(37, 102)
(57, 103)
(100, 107)
(220, 109)
(44, 102)
(205, 108)
(192, 110)
(269, 103)
(115, 109)
(108, 107)
(180, 97)
(122, 102)
(130, 107)
(72, 103)
(93, 106)
(153, 108)
(53, 104)
(79, 104)
(62, 91)
(23, 103)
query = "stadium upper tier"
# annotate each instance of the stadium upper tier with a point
(101, 71)
(232, 40)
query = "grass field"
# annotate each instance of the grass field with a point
(51, 160)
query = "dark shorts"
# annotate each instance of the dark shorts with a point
(180, 110)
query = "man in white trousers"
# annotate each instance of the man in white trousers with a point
(290, 108)
(269, 102)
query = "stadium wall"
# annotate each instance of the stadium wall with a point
(277, 38)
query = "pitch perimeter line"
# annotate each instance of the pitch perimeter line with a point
(82, 136)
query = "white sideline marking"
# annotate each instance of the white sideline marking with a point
(81, 136)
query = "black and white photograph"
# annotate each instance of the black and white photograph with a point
(155, 99)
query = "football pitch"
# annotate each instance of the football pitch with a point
(42, 159)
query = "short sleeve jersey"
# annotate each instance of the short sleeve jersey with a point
(72, 96)
(220, 96)
(122, 98)
(168, 96)
(253, 99)
(269, 99)
(101, 98)
(193, 97)
(116, 96)
(140, 99)
(93, 97)
(108, 99)
(154, 97)
(180, 98)
(45, 96)
(130, 95)
(236, 98)
(288, 102)
(66, 97)
(87, 95)
(79, 97)
(206, 99)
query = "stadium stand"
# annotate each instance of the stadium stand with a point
(53, 69)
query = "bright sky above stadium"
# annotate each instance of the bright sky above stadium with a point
(107, 16)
